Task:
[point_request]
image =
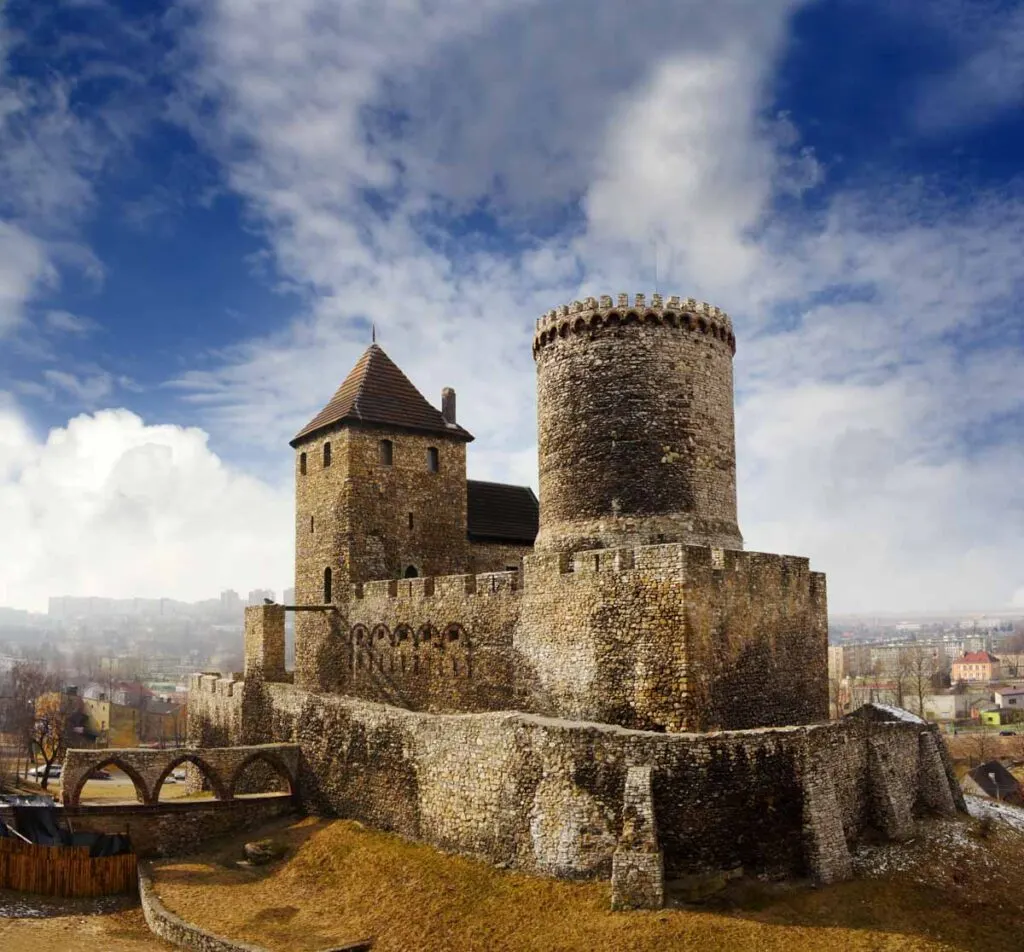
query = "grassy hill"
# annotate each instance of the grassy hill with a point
(955, 887)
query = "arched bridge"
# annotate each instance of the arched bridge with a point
(220, 766)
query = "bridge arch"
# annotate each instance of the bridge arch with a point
(275, 763)
(206, 770)
(72, 798)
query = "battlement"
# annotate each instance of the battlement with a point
(216, 684)
(658, 561)
(592, 314)
(487, 583)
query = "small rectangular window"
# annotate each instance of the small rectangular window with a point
(327, 455)
(302, 463)
(386, 452)
(410, 520)
(432, 459)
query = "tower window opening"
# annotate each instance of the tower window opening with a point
(387, 452)
(411, 572)
(433, 459)
(327, 455)
(327, 585)
(410, 520)
(310, 523)
(302, 464)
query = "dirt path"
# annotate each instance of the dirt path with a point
(74, 930)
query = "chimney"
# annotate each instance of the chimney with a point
(448, 405)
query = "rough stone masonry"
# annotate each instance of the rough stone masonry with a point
(633, 696)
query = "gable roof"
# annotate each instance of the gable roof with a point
(377, 392)
(978, 657)
(995, 780)
(501, 513)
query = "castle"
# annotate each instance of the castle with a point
(606, 683)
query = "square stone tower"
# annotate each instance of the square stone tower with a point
(380, 492)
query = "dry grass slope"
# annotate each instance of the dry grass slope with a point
(340, 882)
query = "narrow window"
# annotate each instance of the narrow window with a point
(327, 455)
(302, 463)
(327, 585)
(386, 452)
(432, 459)
(410, 520)
(411, 572)
(310, 523)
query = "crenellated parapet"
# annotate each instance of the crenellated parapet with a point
(593, 314)
(443, 586)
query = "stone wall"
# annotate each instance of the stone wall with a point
(177, 827)
(438, 644)
(547, 795)
(496, 556)
(674, 637)
(635, 425)
(669, 637)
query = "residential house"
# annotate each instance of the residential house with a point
(976, 666)
(992, 779)
(1010, 698)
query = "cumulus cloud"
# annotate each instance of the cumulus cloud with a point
(876, 342)
(110, 505)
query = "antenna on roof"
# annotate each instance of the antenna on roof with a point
(373, 332)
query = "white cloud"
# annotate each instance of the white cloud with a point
(24, 267)
(986, 75)
(111, 506)
(876, 347)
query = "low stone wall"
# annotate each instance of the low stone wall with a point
(547, 795)
(177, 827)
(172, 928)
(165, 924)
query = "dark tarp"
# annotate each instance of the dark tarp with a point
(43, 825)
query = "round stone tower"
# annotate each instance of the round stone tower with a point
(636, 436)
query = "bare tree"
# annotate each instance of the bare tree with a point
(50, 730)
(922, 669)
(902, 675)
(28, 681)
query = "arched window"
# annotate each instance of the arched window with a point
(387, 452)
(327, 585)
(327, 455)
(302, 463)
(411, 572)
(433, 459)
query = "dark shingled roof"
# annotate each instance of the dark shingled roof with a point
(501, 513)
(996, 781)
(377, 392)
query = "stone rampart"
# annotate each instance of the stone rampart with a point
(664, 637)
(441, 644)
(674, 637)
(546, 795)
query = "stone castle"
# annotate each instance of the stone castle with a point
(604, 683)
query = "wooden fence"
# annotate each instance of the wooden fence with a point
(65, 870)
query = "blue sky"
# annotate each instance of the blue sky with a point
(202, 205)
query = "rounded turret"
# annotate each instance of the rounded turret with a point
(636, 435)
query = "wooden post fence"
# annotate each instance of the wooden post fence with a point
(66, 871)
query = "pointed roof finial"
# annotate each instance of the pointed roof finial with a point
(373, 332)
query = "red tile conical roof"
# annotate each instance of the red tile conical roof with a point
(378, 393)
